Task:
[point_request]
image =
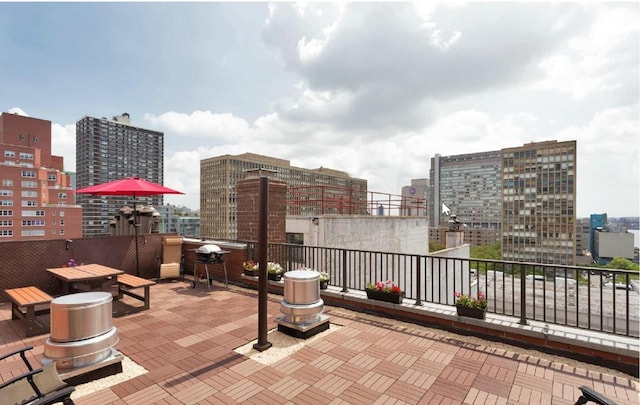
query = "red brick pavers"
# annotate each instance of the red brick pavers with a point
(186, 341)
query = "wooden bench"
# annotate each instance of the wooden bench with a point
(127, 282)
(28, 298)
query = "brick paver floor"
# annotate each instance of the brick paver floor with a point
(186, 341)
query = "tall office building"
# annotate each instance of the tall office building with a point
(219, 175)
(469, 186)
(108, 150)
(35, 196)
(538, 203)
(523, 197)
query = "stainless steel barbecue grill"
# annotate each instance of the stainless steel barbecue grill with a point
(209, 254)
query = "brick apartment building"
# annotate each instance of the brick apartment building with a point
(36, 201)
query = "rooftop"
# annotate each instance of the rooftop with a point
(188, 344)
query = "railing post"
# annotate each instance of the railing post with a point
(523, 296)
(344, 270)
(418, 281)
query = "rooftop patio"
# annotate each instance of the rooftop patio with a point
(187, 343)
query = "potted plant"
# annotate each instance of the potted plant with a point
(250, 268)
(274, 271)
(323, 277)
(471, 307)
(385, 291)
(324, 280)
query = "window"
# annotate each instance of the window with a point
(6, 213)
(6, 222)
(24, 155)
(33, 222)
(62, 213)
(62, 195)
(30, 193)
(61, 231)
(21, 137)
(6, 203)
(62, 222)
(29, 203)
(9, 153)
(32, 232)
(29, 184)
(28, 173)
(7, 182)
(35, 139)
(6, 233)
(53, 232)
(28, 213)
(7, 193)
(52, 177)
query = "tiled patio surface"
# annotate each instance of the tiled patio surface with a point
(186, 341)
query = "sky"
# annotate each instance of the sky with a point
(373, 89)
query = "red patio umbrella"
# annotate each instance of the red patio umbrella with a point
(133, 186)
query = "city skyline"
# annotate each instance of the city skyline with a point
(372, 89)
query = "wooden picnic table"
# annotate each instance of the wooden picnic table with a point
(84, 273)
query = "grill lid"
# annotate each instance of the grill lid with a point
(208, 249)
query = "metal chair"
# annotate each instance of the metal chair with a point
(36, 387)
(589, 395)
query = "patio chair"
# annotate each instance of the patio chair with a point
(171, 264)
(35, 387)
(589, 395)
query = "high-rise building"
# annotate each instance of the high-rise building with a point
(108, 150)
(414, 198)
(596, 221)
(469, 186)
(524, 197)
(36, 200)
(219, 175)
(538, 203)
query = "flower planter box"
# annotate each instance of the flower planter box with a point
(324, 284)
(471, 312)
(274, 276)
(384, 296)
(251, 273)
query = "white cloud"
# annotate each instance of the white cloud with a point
(223, 127)
(604, 59)
(18, 111)
(382, 87)
(63, 143)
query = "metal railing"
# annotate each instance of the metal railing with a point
(588, 298)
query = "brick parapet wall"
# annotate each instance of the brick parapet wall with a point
(25, 263)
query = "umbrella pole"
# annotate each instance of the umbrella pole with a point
(135, 232)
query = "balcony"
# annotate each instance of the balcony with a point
(188, 342)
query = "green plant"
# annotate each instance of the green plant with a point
(385, 286)
(274, 268)
(465, 300)
(250, 265)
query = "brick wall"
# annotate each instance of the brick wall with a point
(248, 200)
(23, 263)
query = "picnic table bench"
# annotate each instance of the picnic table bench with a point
(29, 298)
(127, 282)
